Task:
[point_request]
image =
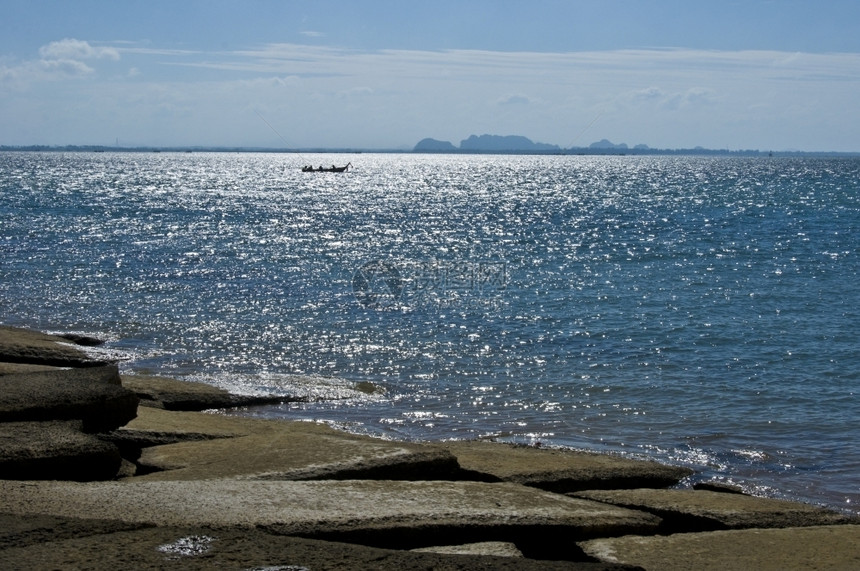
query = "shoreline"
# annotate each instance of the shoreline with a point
(203, 489)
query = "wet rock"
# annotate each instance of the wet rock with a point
(173, 394)
(82, 340)
(55, 450)
(717, 486)
(692, 510)
(827, 547)
(92, 395)
(27, 346)
(561, 470)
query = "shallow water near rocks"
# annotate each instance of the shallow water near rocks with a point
(700, 311)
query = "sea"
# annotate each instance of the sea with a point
(699, 311)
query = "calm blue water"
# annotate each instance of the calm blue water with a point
(701, 311)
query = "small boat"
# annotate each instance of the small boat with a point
(332, 168)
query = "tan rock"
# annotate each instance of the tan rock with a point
(405, 514)
(15, 368)
(562, 470)
(701, 510)
(26, 346)
(199, 548)
(54, 450)
(497, 548)
(92, 395)
(25, 530)
(216, 424)
(281, 450)
(173, 394)
(826, 547)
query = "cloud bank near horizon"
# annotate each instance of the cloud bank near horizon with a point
(75, 91)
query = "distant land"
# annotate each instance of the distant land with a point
(474, 144)
(516, 144)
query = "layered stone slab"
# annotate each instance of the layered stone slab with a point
(191, 548)
(383, 513)
(37, 530)
(279, 450)
(826, 547)
(55, 450)
(699, 510)
(562, 470)
(92, 395)
(27, 346)
(498, 548)
(16, 368)
(173, 394)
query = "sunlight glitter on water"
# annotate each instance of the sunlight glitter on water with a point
(699, 310)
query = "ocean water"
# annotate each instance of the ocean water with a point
(699, 311)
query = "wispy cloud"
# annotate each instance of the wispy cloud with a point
(654, 96)
(637, 66)
(514, 100)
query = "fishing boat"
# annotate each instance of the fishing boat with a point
(332, 168)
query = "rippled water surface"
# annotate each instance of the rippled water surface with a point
(701, 311)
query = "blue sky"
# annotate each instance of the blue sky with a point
(383, 75)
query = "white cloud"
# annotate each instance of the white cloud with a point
(72, 49)
(649, 94)
(59, 60)
(65, 66)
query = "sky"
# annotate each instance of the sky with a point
(723, 74)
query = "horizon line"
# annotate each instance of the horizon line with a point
(455, 151)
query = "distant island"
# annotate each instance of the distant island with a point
(516, 144)
(487, 144)
(474, 144)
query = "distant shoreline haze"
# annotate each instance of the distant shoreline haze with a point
(518, 144)
(474, 144)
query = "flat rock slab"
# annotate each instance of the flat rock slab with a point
(92, 395)
(185, 548)
(56, 450)
(16, 368)
(27, 346)
(404, 514)
(35, 530)
(562, 470)
(173, 394)
(278, 450)
(498, 548)
(825, 547)
(701, 510)
(103, 375)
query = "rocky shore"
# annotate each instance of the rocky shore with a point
(102, 471)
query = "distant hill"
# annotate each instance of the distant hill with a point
(504, 144)
(606, 144)
(433, 146)
(486, 144)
